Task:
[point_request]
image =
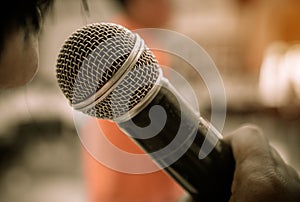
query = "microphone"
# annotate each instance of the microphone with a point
(107, 71)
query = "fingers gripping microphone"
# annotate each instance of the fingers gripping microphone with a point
(106, 71)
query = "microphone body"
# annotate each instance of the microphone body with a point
(207, 179)
(107, 72)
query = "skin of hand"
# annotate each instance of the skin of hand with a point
(260, 173)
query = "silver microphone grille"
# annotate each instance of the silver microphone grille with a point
(97, 74)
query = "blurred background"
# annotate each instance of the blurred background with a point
(254, 44)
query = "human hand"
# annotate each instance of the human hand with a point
(260, 173)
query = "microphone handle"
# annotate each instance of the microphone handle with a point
(207, 179)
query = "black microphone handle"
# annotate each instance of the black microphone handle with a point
(207, 179)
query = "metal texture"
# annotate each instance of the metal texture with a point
(105, 70)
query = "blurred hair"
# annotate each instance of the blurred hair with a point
(24, 14)
(122, 3)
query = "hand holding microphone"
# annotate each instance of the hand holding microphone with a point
(260, 173)
(107, 72)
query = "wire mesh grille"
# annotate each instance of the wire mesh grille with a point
(92, 56)
(130, 91)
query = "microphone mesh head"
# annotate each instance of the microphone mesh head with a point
(89, 60)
